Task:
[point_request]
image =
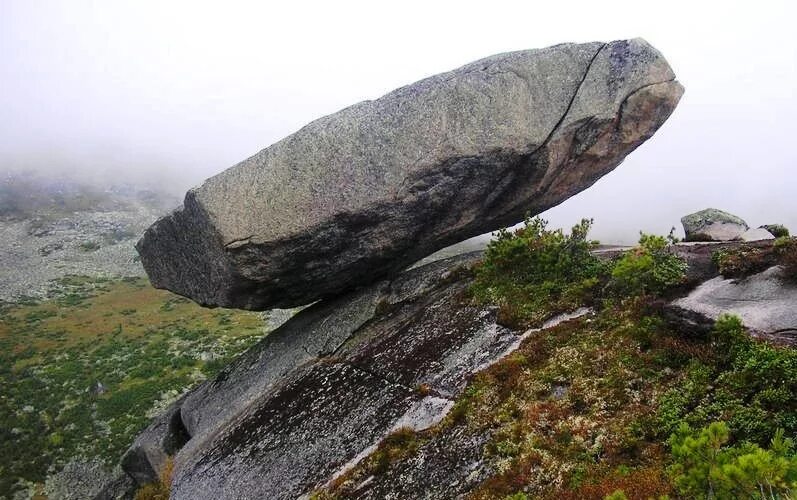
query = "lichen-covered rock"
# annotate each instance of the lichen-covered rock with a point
(449, 465)
(713, 225)
(391, 355)
(357, 196)
(85, 479)
(700, 257)
(291, 438)
(316, 331)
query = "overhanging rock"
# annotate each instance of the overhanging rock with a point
(358, 195)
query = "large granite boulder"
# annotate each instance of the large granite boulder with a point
(713, 225)
(358, 195)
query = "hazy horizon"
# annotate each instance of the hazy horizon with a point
(172, 93)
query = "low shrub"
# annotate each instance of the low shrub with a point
(394, 446)
(644, 482)
(750, 385)
(533, 273)
(650, 268)
(777, 230)
(743, 262)
(786, 250)
(706, 466)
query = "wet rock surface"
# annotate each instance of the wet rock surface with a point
(765, 302)
(448, 466)
(393, 355)
(147, 456)
(295, 436)
(313, 333)
(317, 331)
(357, 196)
(437, 341)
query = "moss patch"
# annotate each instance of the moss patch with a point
(585, 410)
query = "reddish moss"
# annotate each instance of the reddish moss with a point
(643, 483)
(160, 490)
(744, 261)
(513, 480)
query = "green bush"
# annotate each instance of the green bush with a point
(534, 272)
(786, 250)
(650, 268)
(705, 466)
(777, 230)
(742, 262)
(752, 386)
(729, 338)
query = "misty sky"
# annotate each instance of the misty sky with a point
(177, 91)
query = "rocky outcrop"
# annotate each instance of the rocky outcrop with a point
(336, 212)
(147, 456)
(53, 243)
(713, 225)
(319, 392)
(765, 302)
(82, 479)
(357, 196)
(699, 257)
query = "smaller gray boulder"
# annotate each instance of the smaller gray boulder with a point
(757, 234)
(91, 479)
(713, 225)
(764, 301)
(147, 456)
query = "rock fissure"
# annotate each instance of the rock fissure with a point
(740, 299)
(239, 241)
(572, 100)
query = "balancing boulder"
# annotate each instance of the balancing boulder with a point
(359, 195)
